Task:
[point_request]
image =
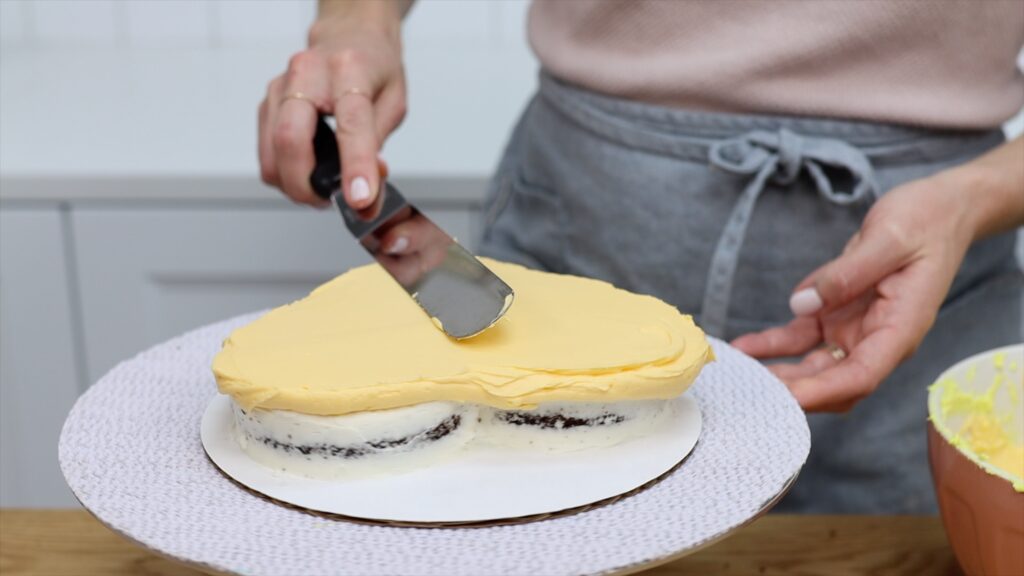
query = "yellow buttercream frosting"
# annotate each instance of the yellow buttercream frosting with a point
(360, 343)
(980, 426)
(987, 436)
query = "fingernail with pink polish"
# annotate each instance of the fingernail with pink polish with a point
(398, 246)
(805, 302)
(359, 190)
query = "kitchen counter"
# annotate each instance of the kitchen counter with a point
(72, 542)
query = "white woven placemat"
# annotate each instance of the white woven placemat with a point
(131, 453)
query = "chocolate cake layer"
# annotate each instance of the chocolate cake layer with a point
(557, 421)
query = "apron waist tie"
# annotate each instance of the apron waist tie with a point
(780, 156)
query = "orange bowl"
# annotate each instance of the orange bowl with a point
(982, 504)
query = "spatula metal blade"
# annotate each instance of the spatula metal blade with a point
(460, 294)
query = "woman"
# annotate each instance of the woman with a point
(840, 162)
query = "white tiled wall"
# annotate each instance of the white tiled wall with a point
(144, 23)
(74, 23)
(13, 25)
(170, 87)
(167, 87)
(241, 22)
(453, 22)
(170, 23)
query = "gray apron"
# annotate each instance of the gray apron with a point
(722, 215)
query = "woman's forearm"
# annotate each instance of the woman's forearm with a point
(383, 16)
(372, 8)
(993, 187)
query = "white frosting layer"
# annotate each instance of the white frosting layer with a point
(389, 441)
(355, 444)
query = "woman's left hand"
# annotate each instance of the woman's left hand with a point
(860, 315)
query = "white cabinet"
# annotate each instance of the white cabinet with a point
(146, 275)
(39, 377)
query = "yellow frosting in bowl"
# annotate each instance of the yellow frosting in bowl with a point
(977, 406)
(990, 441)
(360, 343)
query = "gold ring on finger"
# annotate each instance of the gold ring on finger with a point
(356, 92)
(836, 351)
(300, 96)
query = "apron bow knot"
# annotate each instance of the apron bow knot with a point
(781, 156)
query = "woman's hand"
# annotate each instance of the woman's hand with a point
(353, 70)
(873, 304)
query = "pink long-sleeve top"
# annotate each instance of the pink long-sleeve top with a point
(939, 64)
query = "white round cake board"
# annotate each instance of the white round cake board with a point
(131, 452)
(481, 483)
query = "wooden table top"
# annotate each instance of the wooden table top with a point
(72, 542)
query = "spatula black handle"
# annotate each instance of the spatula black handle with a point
(326, 176)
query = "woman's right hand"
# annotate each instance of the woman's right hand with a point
(353, 70)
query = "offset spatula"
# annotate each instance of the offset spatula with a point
(461, 295)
